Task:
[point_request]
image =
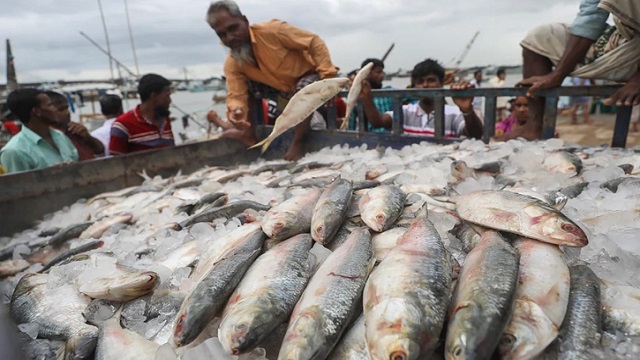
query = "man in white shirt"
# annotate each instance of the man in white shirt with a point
(501, 101)
(419, 118)
(111, 108)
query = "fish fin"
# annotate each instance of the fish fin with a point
(258, 144)
(80, 347)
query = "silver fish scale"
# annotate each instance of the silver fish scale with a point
(580, 329)
(331, 208)
(215, 288)
(485, 312)
(340, 299)
(34, 302)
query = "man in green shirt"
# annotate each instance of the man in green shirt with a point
(37, 146)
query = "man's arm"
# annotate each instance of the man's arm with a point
(371, 111)
(119, 141)
(237, 90)
(587, 27)
(298, 39)
(473, 127)
(15, 161)
(80, 130)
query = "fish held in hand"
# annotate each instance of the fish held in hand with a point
(302, 105)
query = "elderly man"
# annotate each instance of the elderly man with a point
(38, 145)
(589, 48)
(419, 118)
(272, 58)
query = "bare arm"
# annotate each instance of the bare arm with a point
(373, 115)
(237, 90)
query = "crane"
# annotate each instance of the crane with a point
(466, 50)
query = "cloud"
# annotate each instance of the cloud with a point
(171, 35)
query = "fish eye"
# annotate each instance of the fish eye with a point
(568, 227)
(457, 351)
(508, 340)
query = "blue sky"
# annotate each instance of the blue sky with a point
(172, 35)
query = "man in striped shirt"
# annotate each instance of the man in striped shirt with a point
(419, 118)
(148, 125)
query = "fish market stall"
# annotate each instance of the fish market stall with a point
(352, 252)
(372, 246)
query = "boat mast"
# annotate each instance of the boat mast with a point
(133, 46)
(12, 80)
(106, 36)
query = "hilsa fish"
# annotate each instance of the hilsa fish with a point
(302, 105)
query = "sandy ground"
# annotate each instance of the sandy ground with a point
(598, 132)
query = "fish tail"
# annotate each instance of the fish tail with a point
(259, 144)
(265, 144)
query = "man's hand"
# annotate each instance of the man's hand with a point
(628, 95)
(465, 103)
(238, 118)
(365, 91)
(542, 82)
(79, 130)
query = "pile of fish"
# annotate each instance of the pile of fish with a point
(466, 251)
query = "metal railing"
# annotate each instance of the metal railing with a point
(621, 128)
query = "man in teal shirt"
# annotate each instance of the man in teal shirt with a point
(37, 146)
(383, 104)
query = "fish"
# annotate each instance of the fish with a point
(483, 299)
(68, 233)
(12, 267)
(385, 241)
(353, 345)
(183, 256)
(562, 161)
(580, 331)
(574, 191)
(50, 231)
(407, 296)
(627, 168)
(365, 184)
(330, 210)
(461, 171)
(265, 297)
(91, 245)
(467, 235)
(620, 308)
(58, 313)
(629, 181)
(291, 217)
(215, 287)
(98, 228)
(126, 192)
(122, 285)
(273, 167)
(114, 342)
(373, 172)
(354, 92)
(381, 207)
(522, 215)
(423, 189)
(541, 300)
(204, 201)
(557, 200)
(328, 303)
(302, 105)
(226, 211)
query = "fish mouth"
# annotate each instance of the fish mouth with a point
(398, 355)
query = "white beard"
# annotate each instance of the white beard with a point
(244, 54)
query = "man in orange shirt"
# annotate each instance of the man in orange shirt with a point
(272, 58)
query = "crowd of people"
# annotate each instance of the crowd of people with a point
(273, 60)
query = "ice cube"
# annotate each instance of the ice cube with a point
(320, 252)
(20, 250)
(31, 329)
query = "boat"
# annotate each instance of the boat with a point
(213, 84)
